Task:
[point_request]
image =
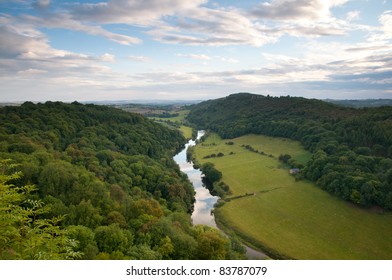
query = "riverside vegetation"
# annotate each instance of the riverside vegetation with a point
(92, 182)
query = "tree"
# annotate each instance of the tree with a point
(24, 234)
(212, 174)
(112, 238)
(211, 244)
(86, 242)
(360, 139)
(284, 158)
(84, 214)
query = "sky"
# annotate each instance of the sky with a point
(194, 49)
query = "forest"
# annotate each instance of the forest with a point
(351, 148)
(93, 182)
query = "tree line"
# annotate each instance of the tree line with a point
(93, 182)
(352, 148)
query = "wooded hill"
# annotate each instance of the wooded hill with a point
(106, 187)
(352, 148)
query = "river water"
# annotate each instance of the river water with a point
(205, 202)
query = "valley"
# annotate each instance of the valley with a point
(285, 217)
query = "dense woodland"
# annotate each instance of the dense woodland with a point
(92, 182)
(352, 148)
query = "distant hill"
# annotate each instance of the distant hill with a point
(352, 147)
(154, 102)
(361, 103)
(243, 113)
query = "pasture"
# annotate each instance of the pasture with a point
(176, 122)
(289, 218)
(186, 131)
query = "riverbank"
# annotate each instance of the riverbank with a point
(205, 202)
(254, 249)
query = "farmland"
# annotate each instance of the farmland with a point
(285, 217)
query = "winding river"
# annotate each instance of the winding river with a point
(204, 200)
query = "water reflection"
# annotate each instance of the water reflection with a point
(204, 200)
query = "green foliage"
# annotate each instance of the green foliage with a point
(211, 173)
(107, 173)
(349, 145)
(24, 234)
(86, 241)
(212, 244)
(112, 238)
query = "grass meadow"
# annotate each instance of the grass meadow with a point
(288, 218)
(186, 131)
(178, 120)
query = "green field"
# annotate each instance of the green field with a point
(186, 131)
(287, 218)
(177, 122)
(177, 119)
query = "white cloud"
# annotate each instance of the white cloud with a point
(353, 15)
(382, 35)
(32, 71)
(189, 22)
(23, 55)
(138, 58)
(107, 57)
(296, 9)
(227, 59)
(29, 63)
(386, 22)
(265, 24)
(131, 11)
(213, 27)
(194, 56)
(67, 22)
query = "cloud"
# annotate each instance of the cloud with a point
(353, 15)
(42, 4)
(367, 48)
(301, 17)
(206, 57)
(32, 71)
(131, 11)
(227, 59)
(107, 57)
(296, 9)
(27, 54)
(262, 25)
(189, 22)
(386, 23)
(138, 58)
(194, 56)
(213, 27)
(29, 63)
(67, 22)
(16, 42)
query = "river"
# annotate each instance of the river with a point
(205, 202)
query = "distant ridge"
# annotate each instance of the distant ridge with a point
(361, 103)
(143, 102)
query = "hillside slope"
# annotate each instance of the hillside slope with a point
(111, 178)
(352, 148)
